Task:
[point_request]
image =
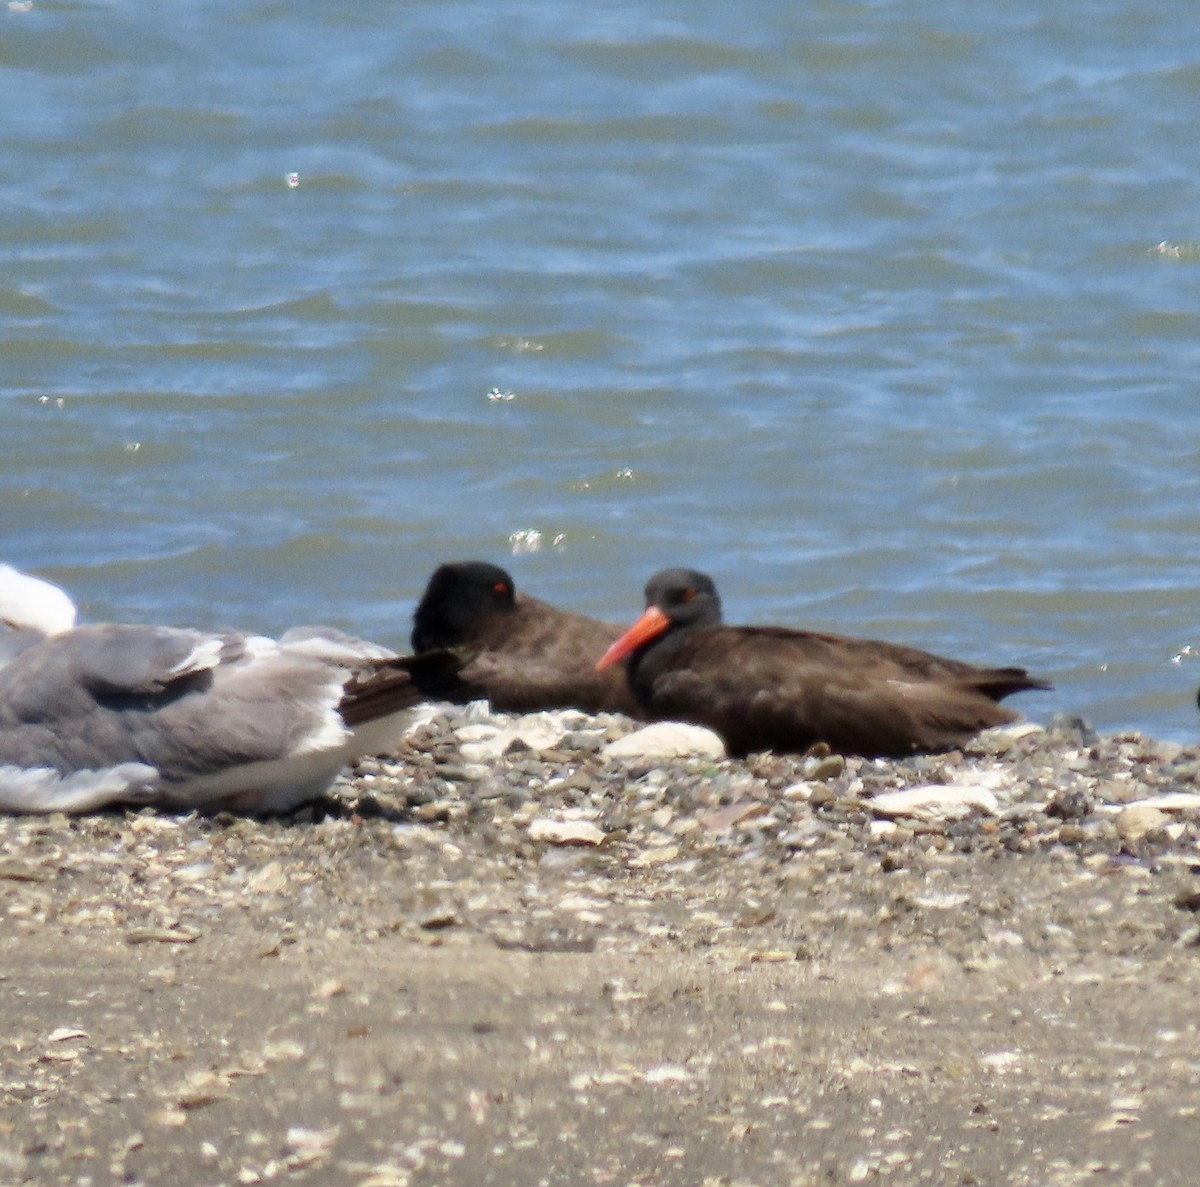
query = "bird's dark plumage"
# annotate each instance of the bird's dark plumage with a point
(771, 688)
(526, 654)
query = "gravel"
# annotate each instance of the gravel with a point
(507, 956)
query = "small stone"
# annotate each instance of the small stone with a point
(1005, 937)
(1074, 729)
(800, 792)
(666, 1073)
(1137, 820)
(668, 739)
(466, 773)
(582, 742)
(659, 856)
(64, 1033)
(532, 732)
(822, 769)
(162, 935)
(432, 813)
(438, 918)
(271, 879)
(1001, 1061)
(1173, 801)
(721, 819)
(201, 1090)
(282, 1051)
(308, 1147)
(942, 900)
(1113, 792)
(1188, 900)
(1070, 805)
(565, 832)
(20, 871)
(936, 802)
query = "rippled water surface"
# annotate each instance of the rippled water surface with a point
(885, 313)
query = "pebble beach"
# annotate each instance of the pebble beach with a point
(568, 949)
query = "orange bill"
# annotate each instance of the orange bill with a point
(649, 626)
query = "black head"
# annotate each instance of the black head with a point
(685, 596)
(458, 596)
(678, 601)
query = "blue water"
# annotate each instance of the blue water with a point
(886, 314)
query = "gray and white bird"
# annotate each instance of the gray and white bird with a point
(114, 714)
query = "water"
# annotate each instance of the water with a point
(885, 313)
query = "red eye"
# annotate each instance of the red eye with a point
(500, 587)
(689, 594)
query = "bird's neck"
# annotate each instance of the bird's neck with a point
(650, 659)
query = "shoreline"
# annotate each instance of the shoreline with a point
(544, 964)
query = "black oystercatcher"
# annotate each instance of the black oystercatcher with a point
(770, 688)
(108, 714)
(527, 654)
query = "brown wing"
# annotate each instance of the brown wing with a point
(539, 657)
(770, 688)
(384, 686)
(894, 659)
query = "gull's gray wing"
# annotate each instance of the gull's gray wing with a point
(115, 713)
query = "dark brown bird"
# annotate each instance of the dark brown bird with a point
(770, 688)
(526, 654)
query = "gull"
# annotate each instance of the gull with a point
(103, 714)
